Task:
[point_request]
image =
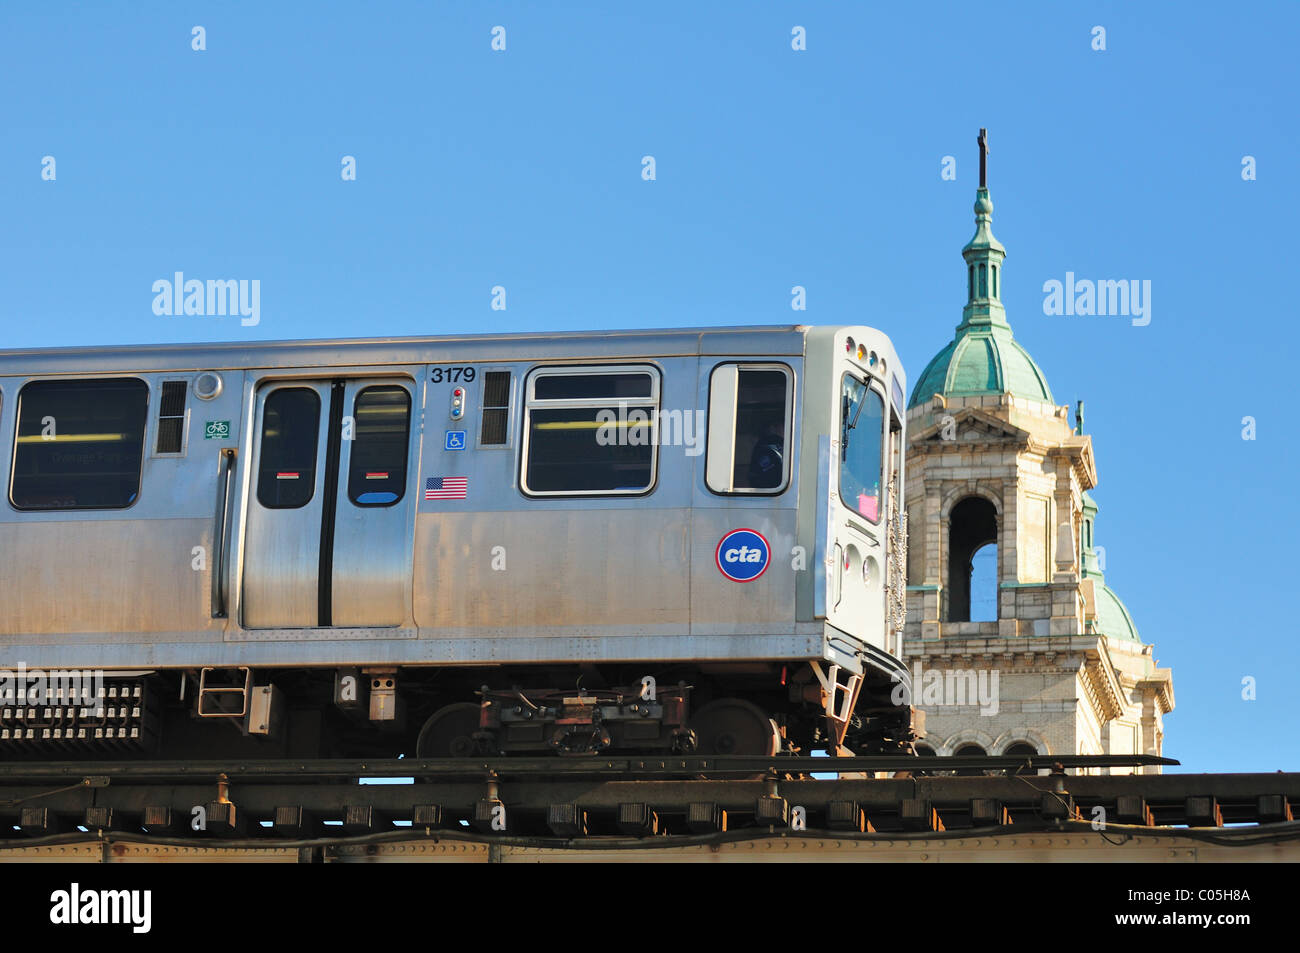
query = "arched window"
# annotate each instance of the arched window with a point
(969, 750)
(984, 584)
(1021, 749)
(972, 536)
(994, 269)
(970, 283)
(984, 281)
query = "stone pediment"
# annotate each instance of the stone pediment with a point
(967, 425)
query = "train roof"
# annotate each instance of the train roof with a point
(759, 340)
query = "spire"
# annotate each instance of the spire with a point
(983, 255)
(983, 358)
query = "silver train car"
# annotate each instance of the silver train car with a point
(664, 540)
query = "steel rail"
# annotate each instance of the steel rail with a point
(603, 767)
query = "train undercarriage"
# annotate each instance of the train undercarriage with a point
(747, 708)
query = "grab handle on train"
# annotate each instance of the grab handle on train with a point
(225, 473)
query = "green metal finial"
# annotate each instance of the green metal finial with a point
(1078, 418)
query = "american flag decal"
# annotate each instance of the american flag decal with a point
(446, 488)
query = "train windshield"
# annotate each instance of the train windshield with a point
(862, 413)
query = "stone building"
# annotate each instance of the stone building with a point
(1015, 642)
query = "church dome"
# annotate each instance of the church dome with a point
(1113, 619)
(977, 361)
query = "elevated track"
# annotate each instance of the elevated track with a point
(681, 808)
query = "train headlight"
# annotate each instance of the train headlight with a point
(207, 385)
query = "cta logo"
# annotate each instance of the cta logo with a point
(743, 555)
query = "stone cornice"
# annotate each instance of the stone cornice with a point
(1161, 684)
(1084, 655)
(1078, 451)
(1102, 683)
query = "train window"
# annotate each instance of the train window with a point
(862, 424)
(588, 386)
(495, 431)
(80, 444)
(590, 430)
(749, 418)
(377, 467)
(287, 458)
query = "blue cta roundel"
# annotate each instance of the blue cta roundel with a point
(743, 555)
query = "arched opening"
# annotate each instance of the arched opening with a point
(969, 750)
(1021, 749)
(972, 535)
(984, 584)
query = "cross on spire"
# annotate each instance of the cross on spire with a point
(983, 142)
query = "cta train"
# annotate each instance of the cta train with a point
(635, 541)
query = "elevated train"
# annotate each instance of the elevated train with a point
(650, 541)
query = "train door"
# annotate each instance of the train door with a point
(858, 527)
(331, 507)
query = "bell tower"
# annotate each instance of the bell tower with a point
(998, 578)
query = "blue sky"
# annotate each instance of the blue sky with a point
(774, 168)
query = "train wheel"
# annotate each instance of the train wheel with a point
(449, 732)
(735, 726)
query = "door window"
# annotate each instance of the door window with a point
(286, 476)
(377, 468)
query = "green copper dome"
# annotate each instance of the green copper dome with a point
(985, 361)
(1112, 617)
(983, 357)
